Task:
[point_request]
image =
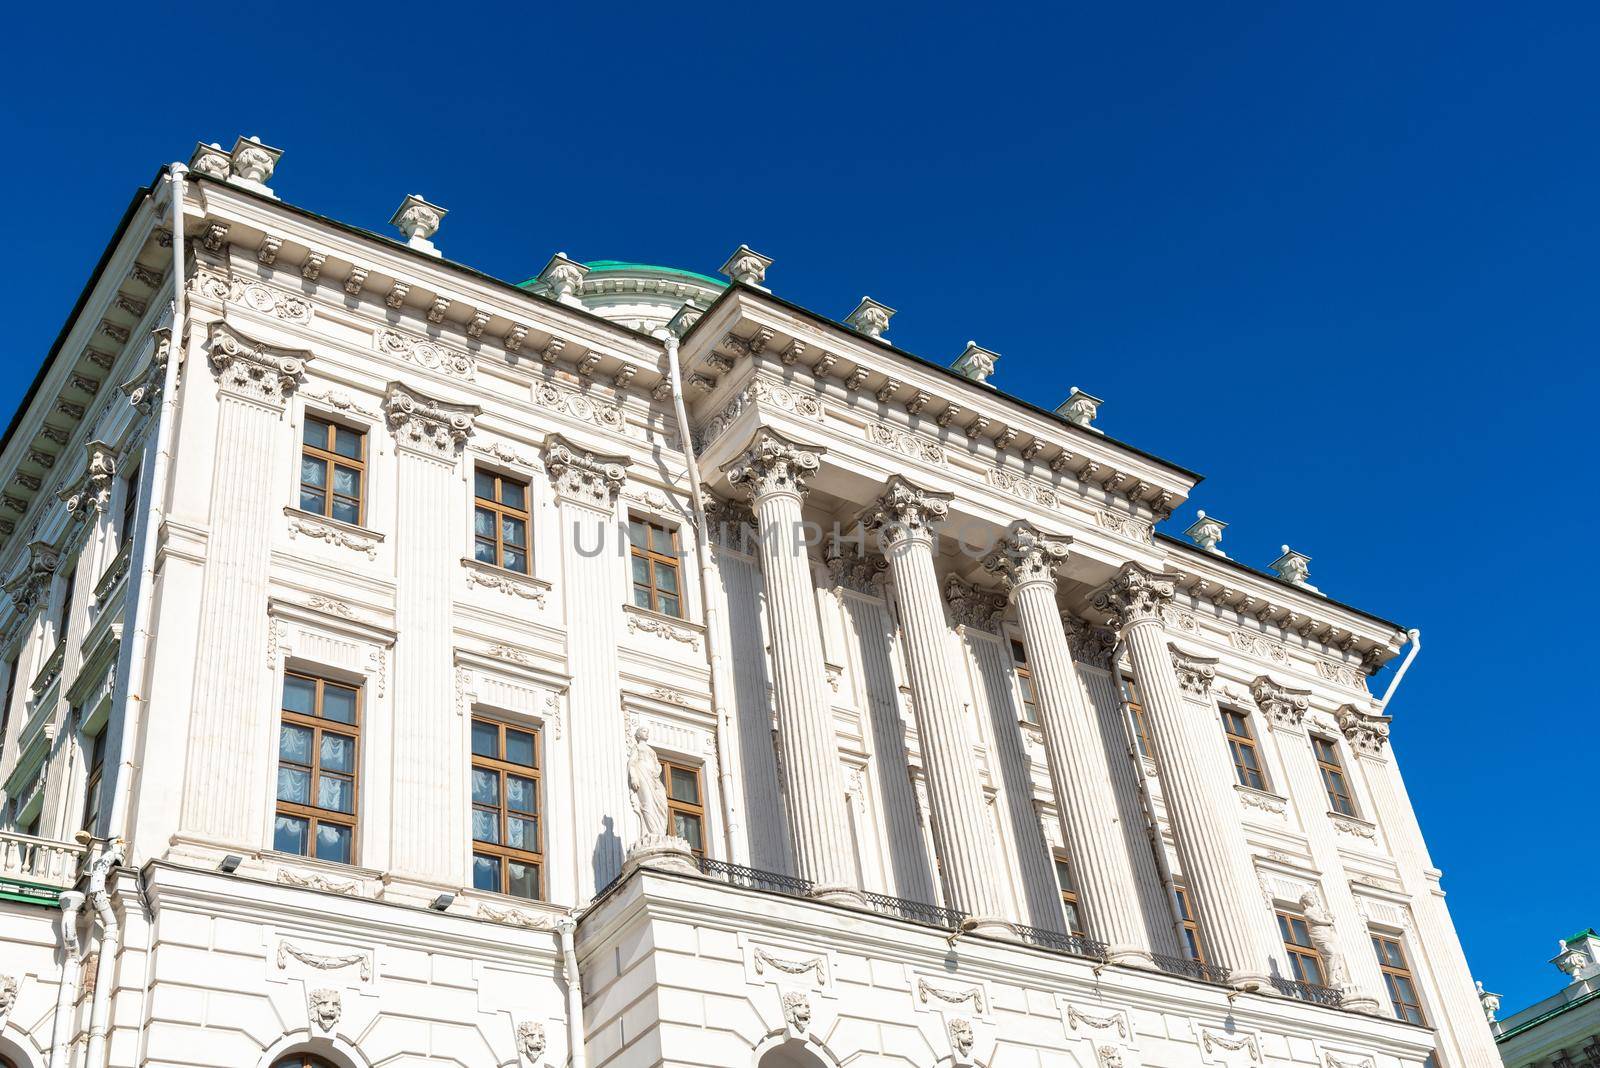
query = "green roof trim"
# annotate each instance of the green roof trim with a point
(1587, 932)
(619, 266)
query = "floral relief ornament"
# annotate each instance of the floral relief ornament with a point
(426, 425)
(775, 464)
(906, 512)
(253, 370)
(1135, 596)
(1026, 555)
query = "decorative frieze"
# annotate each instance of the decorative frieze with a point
(1023, 487)
(907, 444)
(332, 532)
(424, 353)
(424, 425)
(1125, 526)
(1258, 646)
(768, 394)
(507, 582)
(560, 399)
(643, 621)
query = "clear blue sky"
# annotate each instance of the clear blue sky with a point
(1342, 260)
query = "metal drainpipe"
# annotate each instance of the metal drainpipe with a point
(1394, 683)
(67, 992)
(110, 943)
(567, 930)
(721, 684)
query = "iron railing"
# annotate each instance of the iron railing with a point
(914, 911)
(1061, 942)
(1309, 992)
(755, 879)
(1192, 969)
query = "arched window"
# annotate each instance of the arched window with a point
(5, 1062)
(302, 1060)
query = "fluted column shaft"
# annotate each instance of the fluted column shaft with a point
(774, 471)
(962, 836)
(1108, 898)
(1196, 783)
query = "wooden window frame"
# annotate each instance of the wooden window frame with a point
(1334, 780)
(1300, 950)
(1071, 907)
(499, 510)
(328, 458)
(130, 506)
(1025, 682)
(1141, 726)
(1239, 744)
(675, 807)
(652, 559)
(95, 762)
(1195, 950)
(314, 815)
(68, 592)
(503, 767)
(1393, 974)
(302, 1059)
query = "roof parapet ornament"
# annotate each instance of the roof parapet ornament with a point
(1295, 569)
(1080, 409)
(1206, 532)
(418, 220)
(683, 322)
(1490, 1002)
(747, 267)
(253, 164)
(976, 363)
(212, 161)
(870, 318)
(563, 277)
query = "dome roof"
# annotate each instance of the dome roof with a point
(640, 296)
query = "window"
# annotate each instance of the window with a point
(66, 605)
(317, 769)
(11, 691)
(1246, 758)
(500, 521)
(1030, 698)
(332, 466)
(685, 807)
(1069, 893)
(655, 567)
(1333, 779)
(31, 829)
(91, 785)
(301, 1060)
(507, 857)
(1304, 960)
(1397, 977)
(130, 505)
(1141, 729)
(1192, 947)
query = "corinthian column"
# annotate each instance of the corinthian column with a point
(225, 796)
(903, 519)
(774, 471)
(586, 488)
(1026, 562)
(426, 744)
(1196, 779)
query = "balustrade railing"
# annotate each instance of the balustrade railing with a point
(1192, 969)
(39, 860)
(914, 911)
(755, 878)
(1310, 992)
(1060, 942)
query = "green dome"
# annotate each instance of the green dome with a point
(625, 267)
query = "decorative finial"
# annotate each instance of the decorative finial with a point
(747, 266)
(1489, 1001)
(418, 220)
(563, 277)
(1080, 409)
(683, 322)
(976, 363)
(1206, 533)
(1295, 569)
(870, 318)
(211, 160)
(253, 163)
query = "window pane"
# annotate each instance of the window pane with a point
(521, 795)
(685, 786)
(641, 571)
(636, 534)
(346, 481)
(1072, 918)
(299, 695)
(313, 472)
(316, 433)
(688, 828)
(347, 442)
(294, 744)
(335, 793)
(483, 551)
(666, 578)
(338, 703)
(485, 787)
(313, 501)
(483, 523)
(483, 485)
(641, 596)
(661, 541)
(519, 748)
(522, 833)
(333, 843)
(289, 835)
(513, 495)
(513, 531)
(485, 826)
(485, 739)
(338, 753)
(524, 879)
(668, 606)
(485, 873)
(346, 510)
(516, 560)
(294, 786)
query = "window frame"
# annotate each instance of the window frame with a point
(315, 815)
(94, 778)
(1341, 799)
(1071, 907)
(1292, 927)
(1239, 744)
(1141, 726)
(1396, 973)
(502, 767)
(1193, 946)
(1022, 668)
(676, 807)
(130, 506)
(500, 510)
(652, 559)
(329, 458)
(64, 610)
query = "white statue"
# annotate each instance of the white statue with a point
(649, 791)
(797, 1012)
(1319, 925)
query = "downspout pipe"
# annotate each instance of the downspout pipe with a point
(710, 597)
(1411, 654)
(67, 992)
(567, 930)
(110, 944)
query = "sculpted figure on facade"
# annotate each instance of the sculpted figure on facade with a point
(649, 791)
(961, 1038)
(1319, 925)
(797, 1012)
(531, 1042)
(325, 1006)
(8, 996)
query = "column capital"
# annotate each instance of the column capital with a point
(254, 370)
(427, 426)
(32, 584)
(1195, 673)
(1025, 555)
(583, 476)
(971, 606)
(1089, 644)
(773, 463)
(853, 568)
(1284, 708)
(1368, 733)
(91, 490)
(1135, 595)
(906, 511)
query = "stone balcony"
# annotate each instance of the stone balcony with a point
(37, 869)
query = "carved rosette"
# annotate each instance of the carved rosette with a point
(973, 607)
(1368, 734)
(1089, 644)
(906, 512)
(252, 370)
(1135, 596)
(774, 464)
(92, 489)
(1282, 706)
(31, 586)
(1195, 673)
(427, 426)
(583, 476)
(1024, 555)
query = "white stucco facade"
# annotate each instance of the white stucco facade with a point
(1562, 1030)
(882, 791)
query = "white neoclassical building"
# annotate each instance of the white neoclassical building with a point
(1562, 1030)
(630, 667)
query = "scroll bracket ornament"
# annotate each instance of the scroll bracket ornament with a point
(426, 426)
(253, 370)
